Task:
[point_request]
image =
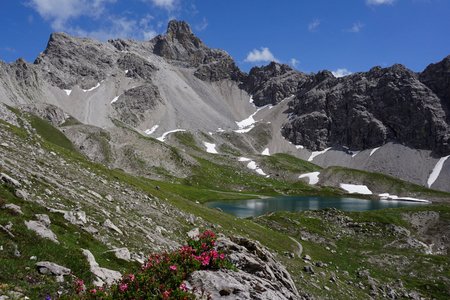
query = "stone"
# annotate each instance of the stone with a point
(14, 208)
(46, 267)
(308, 269)
(44, 219)
(110, 225)
(121, 253)
(21, 194)
(307, 257)
(194, 233)
(9, 180)
(41, 230)
(259, 275)
(356, 111)
(103, 275)
(77, 217)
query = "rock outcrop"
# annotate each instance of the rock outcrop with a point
(69, 61)
(181, 45)
(272, 83)
(437, 78)
(259, 275)
(366, 110)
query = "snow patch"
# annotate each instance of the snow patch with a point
(373, 151)
(151, 130)
(244, 159)
(92, 88)
(251, 99)
(313, 177)
(253, 166)
(356, 189)
(266, 152)
(115, 99)
(386, 196)
(317, 153)
(354, 153)
(165, 134)
(220, 130)
(68, 92)
(249, 123)
(245, 130)
(299, 147)
(436, 170)
(210, 148)
(126, 71)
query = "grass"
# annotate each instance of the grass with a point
(20, 272)
(50, 133)
(187, 139)
(285, 162)
(386, 182)
(423, 273)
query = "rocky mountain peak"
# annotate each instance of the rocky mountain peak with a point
(178, 29)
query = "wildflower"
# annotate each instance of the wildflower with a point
(183, 287)
(48, 297)
(131, 277)
(93, 291)
(123, 287)
(173, 268)
(166, 294)
(79, 286)
(222, 256)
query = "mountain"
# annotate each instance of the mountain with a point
(112, 150)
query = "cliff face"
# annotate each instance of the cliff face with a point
(367, 110)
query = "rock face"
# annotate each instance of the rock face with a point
(259, 275)
(181, 45)
(437, 78)
(134, 103)
(69, 61)
(366, 110)
(46, 267)
(272, 83)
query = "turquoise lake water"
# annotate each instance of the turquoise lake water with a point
(257, 207)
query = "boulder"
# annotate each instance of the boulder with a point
(46, 267)
(259, 275)
(103, 275)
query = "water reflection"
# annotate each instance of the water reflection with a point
(257, 207)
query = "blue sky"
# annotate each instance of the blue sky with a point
(345, 35)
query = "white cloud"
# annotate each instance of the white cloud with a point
(314, 25)
(341, 72)
(379, 2)
(202, 26)
(294, 62)
(166, 4)
(356, 27)
(59, 12)
(262, 55)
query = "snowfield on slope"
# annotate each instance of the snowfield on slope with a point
(313, 177)
(356, 188)
(436, 171)
(210, 148)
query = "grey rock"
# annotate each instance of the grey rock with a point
(121, 253)
(21, 194)
(44, 219)
(136, 66)
(272, 83)
(264, 276)
(42, 230)
(46, 267)
(9, 180)
(194, 233)
(181, 45)
(437, 78)
(110, 225)
(103, 275)
(76, 217)
(366, 110)
(133, 105)
(68, 61)
(14, 208)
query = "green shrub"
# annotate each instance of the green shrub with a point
(163, 274)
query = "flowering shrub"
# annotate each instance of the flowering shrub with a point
(163, 274)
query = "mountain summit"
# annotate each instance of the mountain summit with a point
(175, 82)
